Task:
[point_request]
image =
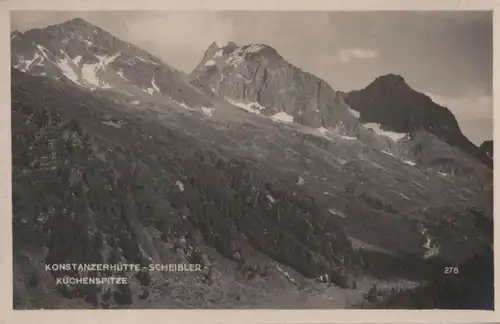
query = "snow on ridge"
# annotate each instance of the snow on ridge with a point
(376, 127)
(282, 117)
(210, 63)
(353, 112)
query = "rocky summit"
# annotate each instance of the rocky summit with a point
(256, 78)
(289, 194)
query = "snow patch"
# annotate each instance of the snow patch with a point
(389, 153)
(376, 127)
(180, 185)
(254, 48)
(149, 91)
(432, 250)
(323, 131)
(111, 123)
(89, 71)
(353, 112)
(29, 63)
(183, 105)
(443, 174)
(208, 111)
(409, 162)
(336, 213)
(105, 60)
(77, 60)
(253, 107)
(68, 70)
(300, 181)
(217, 54)
(404, 196)
(121, 74)
(349, 138)
(153, 83)
(87, 42)
(286, 274)
(270, 198)
(210, 63)
(282, 117)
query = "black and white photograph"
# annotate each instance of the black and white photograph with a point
(275, 160)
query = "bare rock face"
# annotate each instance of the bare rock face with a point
(258, 77)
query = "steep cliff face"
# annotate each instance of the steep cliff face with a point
(392, 103)
(259, 79)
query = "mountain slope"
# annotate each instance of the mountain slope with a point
(94, 59)
(392, 103)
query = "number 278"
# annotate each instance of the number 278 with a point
(451, 270)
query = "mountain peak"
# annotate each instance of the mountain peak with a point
(78, 21)
(391, 79)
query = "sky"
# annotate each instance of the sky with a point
(447, 55)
